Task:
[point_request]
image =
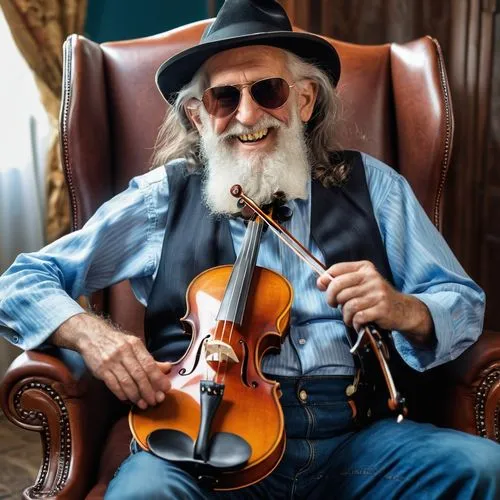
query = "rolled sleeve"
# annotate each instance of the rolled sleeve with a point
(37, 320)
(39, 290)
(456, 327)
(423, 266)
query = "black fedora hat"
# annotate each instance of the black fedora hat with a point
(240, 23)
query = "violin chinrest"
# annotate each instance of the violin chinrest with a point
(227, 451)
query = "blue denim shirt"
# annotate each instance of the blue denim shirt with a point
(123, 240)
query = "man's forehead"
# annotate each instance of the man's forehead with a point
(253, 59)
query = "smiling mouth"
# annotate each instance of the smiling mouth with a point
(255, 137)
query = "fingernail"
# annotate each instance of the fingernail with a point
(160, 397)
(142, 404)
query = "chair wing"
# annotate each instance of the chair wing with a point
(397, 107)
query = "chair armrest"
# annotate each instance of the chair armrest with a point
(51, 392)
(474, 398)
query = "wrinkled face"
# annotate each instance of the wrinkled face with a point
(244, 66)
(262, 149)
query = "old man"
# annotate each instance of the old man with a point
(255, 104)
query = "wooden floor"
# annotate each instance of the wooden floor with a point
(20, 458)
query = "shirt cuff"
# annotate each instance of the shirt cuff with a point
(37, 323)
(424, 358)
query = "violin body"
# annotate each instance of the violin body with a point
(250, 405)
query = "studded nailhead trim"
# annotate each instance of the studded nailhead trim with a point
(480, 405)
(38, 418)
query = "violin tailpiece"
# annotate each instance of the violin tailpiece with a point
(211, 451)
(210, 398)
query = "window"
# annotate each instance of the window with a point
(24, 136)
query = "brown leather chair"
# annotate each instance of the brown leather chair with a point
(397, 108)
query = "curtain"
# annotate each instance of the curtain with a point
(39, 28)
(24, 135)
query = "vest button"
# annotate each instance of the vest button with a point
(303, 395)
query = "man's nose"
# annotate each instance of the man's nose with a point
(249, 112)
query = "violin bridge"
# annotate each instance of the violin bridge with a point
(217, 350)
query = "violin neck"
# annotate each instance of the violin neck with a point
(235, 297)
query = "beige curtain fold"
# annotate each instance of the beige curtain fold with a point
(39, 28)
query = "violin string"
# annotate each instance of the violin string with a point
(223, 325)
(253, 234)
(223, 329)
(206, 370)
(237, 279)
(219, 323)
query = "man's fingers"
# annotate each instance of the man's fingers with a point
(141, 380)
(342, 268)
(323, 281)
(154, 370)
(161, 380)
(354, 307)
(127, 382)
(164, 366)
(128, 369)
(339, 284)
(348, 267)
(352, 292)
(122, 389)
(370, 315)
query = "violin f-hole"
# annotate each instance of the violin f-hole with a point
(244, 367)
(183, 371)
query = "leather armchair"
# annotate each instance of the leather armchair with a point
(397, 107)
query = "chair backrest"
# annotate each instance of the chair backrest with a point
(396, 101)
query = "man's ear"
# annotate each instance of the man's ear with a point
(192, 110)
(308, 92)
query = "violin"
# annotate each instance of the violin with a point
(369, 347)
(213, 419)
(222, 420)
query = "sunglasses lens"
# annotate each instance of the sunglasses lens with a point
(270, 93)
(221, 101)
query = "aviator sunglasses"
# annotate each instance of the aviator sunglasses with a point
(270, 93)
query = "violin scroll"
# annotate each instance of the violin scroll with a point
(236, 190)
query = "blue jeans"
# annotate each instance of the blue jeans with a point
(326, 457)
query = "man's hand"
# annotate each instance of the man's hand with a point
(366, 297)
(119, 359)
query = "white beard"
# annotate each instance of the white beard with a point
(260, 175)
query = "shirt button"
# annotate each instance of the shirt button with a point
(15, 339)
(302, 341)
(303, 395)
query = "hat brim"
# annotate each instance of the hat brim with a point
(177, 71)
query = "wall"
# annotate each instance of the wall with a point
(489, 243)
(108, 20)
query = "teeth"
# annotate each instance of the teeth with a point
(253, 137)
